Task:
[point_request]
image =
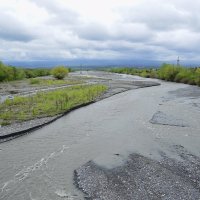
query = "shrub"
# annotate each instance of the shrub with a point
(10, 73)
(197, 78)
(168, 72)
(165, 72)
(34, 81)
(32, 73)
(60, 72)
(144, 74)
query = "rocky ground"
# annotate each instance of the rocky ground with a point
(143, 178)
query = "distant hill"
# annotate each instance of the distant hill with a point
(94, 63)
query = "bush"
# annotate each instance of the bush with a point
(165, 72)
(10, 73)
(60, 72)
(32, 73)
(168, 72)
(197, 78)
(34, 81)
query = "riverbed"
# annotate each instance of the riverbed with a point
(41, 165)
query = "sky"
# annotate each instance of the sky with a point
(39, 30)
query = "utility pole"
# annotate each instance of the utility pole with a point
(81, 68)
(178, 61)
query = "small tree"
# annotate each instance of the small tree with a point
(60, 72)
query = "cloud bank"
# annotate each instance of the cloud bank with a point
(92, 29)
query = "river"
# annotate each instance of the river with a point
(40, 165)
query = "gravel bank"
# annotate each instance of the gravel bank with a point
(116, 84)
(143, 178)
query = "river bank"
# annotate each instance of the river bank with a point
(115, 83)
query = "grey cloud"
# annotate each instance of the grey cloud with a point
(181, 40)
(132, 32)
(164, 15)
(150, 29)
(126, 31)
(92, 31)
(13, 30)
(51, 6)
(59, 15)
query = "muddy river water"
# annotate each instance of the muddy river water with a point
(40, 166)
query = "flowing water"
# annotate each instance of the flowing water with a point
(40, 166)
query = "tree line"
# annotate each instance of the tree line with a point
(166, 72)
(11, 73)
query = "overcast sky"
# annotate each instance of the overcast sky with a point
(99, 29)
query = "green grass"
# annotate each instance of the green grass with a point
(45, 104)
(165, 72)
(48, 82)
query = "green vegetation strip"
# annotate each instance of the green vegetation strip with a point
(11, 73)
(165, 72)
(45, 104)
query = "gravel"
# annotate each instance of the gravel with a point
(16, 127)
(143, 178)
(164, 119)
